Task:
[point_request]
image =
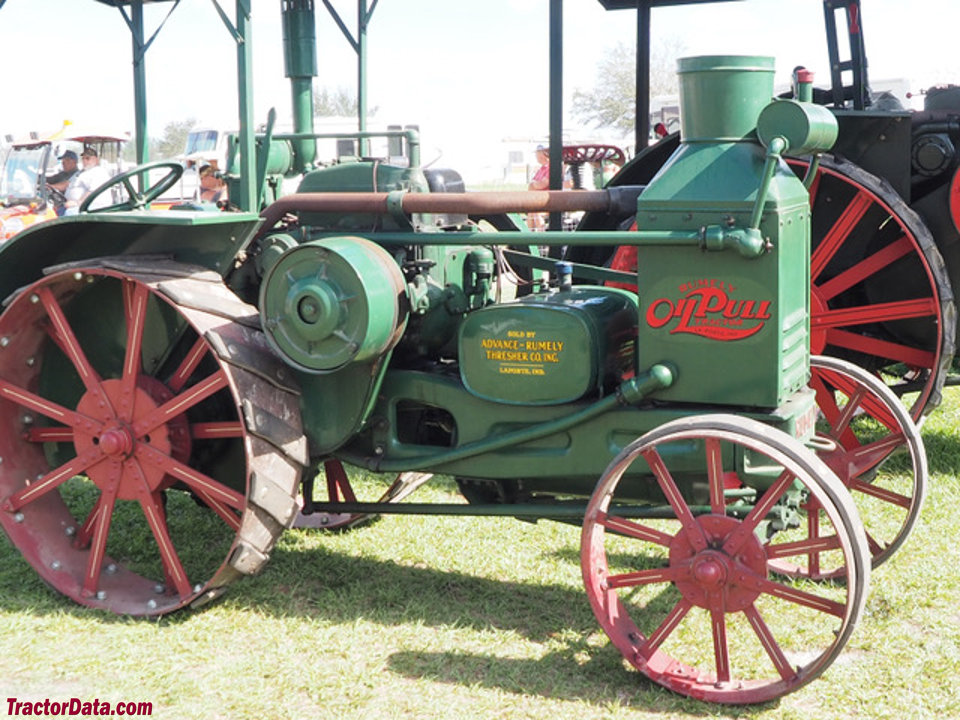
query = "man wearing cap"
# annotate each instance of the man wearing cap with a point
(91, 177)
(68, 163)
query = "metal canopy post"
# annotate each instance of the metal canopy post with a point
(643, 7)
(359, 45)
(556, 105)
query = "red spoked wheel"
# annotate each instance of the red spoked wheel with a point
(337, 487)
(689, 599)
(866, 436)
(880, 293)
(151, 452)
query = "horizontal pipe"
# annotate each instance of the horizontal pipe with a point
(473, 203)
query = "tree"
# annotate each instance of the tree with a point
(612, 102)
(337, 103)
(173, 141)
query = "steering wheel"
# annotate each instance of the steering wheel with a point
(137, 199)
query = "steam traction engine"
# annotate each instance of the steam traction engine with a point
(178, 374)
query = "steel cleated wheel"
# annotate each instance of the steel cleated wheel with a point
(880, 293)
(689, 598)
(151, 442)
(866, 436)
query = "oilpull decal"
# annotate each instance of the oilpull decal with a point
(709, 308)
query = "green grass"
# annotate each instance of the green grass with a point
(427, 617)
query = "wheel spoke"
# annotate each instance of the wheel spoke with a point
(867, 457)
(812, 545)
(181, 403)
(52, 480)
(63, 336)
(759, 512)
(840, 231)
(52, 410)
(799, 597)
(195, 480)
(56, 433)
(99, 523)
(338, 483)
(152, 508)
(865, 268)
(220, 508)
(645, 577)
(770, 645)
(634, 529)
(135, 309)
(672, 492)
(715, 476)
(668, 625)
(215, 430)
(188, 365)
(877, 313)
(721, 652)
(880, 493)
(894, 352)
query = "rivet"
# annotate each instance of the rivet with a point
(4, 341)
(30, 361)
(198, 587)
(101, 595)
(111, 568)
(151, 604)
(55, 565)
(159, 589)
(70, 530)
(78, 276)
(34, 298)
(18, 517)
(28, 419)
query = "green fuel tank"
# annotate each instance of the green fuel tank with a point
(735, 326)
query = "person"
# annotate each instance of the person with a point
(212, 187)
(83, 183)
(68, 164)
(541, 179)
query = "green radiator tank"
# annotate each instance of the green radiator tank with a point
(736, 328)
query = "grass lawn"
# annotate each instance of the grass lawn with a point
(426, 617)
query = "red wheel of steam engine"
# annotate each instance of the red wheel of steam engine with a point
(144, 465)
(880, 294)
(689, 600)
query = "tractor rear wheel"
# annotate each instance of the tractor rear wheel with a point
(690, 601)
(151, 442)
(880, 293)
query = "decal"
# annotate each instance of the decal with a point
(521, 352)
(710, 308)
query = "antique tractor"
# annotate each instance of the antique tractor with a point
(169, 381)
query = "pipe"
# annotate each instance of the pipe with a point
(470, 203)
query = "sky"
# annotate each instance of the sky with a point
(469, 72)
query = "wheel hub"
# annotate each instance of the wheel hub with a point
(118, 442)
(713, 579)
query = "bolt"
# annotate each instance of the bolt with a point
(28, 419)
(30, 361)
(152, 604)
(101, 595)
(111, 569)
(198, 587)
(18, 518)
(78, 276)
(55, 565)
(159, 589)
(34, 298)
(70, 530)
(4, 341)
